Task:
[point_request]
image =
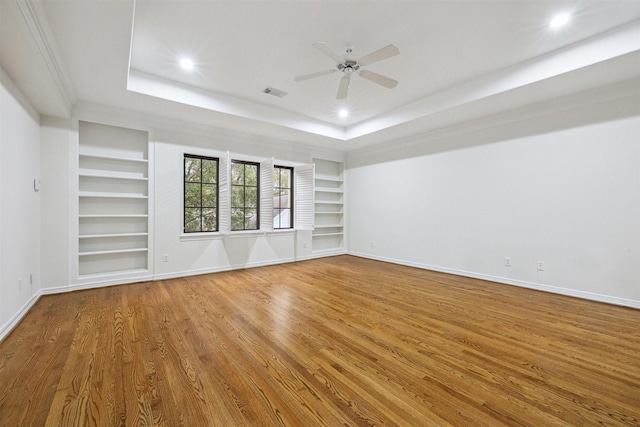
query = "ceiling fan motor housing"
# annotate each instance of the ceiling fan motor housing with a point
(348, 67)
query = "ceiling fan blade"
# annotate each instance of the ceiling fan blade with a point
(342, 89)
(324, 48)
(378, 78)
(379, 55)
(312, 75)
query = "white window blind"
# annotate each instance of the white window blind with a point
(224, 196)
(304, 193)
(266, 195)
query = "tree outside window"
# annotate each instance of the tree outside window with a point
(282, 197)
(200, 194)
(245, 207)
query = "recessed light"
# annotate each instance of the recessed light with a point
(186, 64)
(343, 113)
(559, 20)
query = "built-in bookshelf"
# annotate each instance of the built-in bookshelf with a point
(328, 229)
(113, 200)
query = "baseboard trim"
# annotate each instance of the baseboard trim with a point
(6, 329)
(608, 299)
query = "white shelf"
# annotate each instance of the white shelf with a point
(328, 213)
(327, 202)
(320, 177)
(110, 175)
(328, 190)
(327, 234)
(110, 274)
(113, 177)
(118, 158)
(113, 216)
(328, 231)
(111, 195)
(328, 252)
(113, 251)
(97, 236)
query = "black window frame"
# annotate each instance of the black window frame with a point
(280, 187)
(245, 186)
(201, 207)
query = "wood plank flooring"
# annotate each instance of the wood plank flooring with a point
(339, 341)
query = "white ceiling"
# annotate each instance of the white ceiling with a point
(453, 55)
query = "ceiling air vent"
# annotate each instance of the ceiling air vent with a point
(275, 92)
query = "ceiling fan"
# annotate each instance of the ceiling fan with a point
(348, 67)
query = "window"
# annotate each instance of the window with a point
(245, 211)
(200, 194)
(282, 197)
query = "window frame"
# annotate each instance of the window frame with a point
(244, 185)
(201, 207)
(291, 169)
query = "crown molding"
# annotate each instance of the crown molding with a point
(36, 21)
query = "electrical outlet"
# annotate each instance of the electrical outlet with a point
(373, 244)
(165, 258)
(507, 261)
(304, 245)
(20, 285)
(540, 266)
(31, 279)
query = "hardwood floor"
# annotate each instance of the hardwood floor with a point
(334, 341)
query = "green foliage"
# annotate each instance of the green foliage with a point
(210, 171)
(193, 195)
(251, 197)
(251, 219)
(209, 195)
(285, 177)
(200, 191)
(237, 219)
(192, 219)
(251, 175)
(192, 169)
(237, 196)
(209, 220)
(237, 173)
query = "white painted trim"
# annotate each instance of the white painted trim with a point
(327, 253)
(626, 89)
(15, 320)
(35, 18)
(108, 279)
(625, 302)
(116, 116)
(6, 329)
(159, 87)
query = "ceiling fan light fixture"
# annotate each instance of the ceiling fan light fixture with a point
(349, 67)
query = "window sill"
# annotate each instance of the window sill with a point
(284, 231)
(253, 233)
(188, 237)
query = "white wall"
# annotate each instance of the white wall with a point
(57, 224)
(19, 204)
(193, 254)
(168, 143)
(562, 188)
